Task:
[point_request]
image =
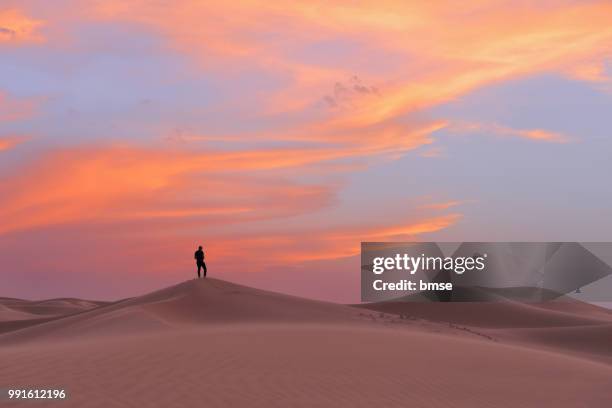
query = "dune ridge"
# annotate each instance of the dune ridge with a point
(189, 303)
(218, 344)
(20, 309)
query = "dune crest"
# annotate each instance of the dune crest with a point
(188, 304)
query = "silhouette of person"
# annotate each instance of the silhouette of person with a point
(199, 257)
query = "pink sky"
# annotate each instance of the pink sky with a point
(281, 136)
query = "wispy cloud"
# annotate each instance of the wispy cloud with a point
(126, 184)
(433, 152)
(280, 99)
(428, 65)
(339, 241)
(442, 205)
(17, 28)
(495, 129)
(8, 142)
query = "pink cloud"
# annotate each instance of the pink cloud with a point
(8, 142)
(17, 28)
(499, 130)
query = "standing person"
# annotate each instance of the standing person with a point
(199, 257)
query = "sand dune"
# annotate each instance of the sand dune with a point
(306, 366)
(7, 314)
(18, 313)
(577, 307)
(19, 309)
(566, 326)
(190, 303)
(216, 344)
(588, 341)
(498, 314)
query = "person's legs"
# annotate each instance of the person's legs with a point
(199, 266)
(204, 268)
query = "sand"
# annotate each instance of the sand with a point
(567, 326)
(17, 309)
(215, 344)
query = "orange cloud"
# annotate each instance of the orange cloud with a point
(439, 51)
(16, 28)
(108, 253)
(436, 53)
(8, 142)
(498, 130)
(425, 53)
(590, 71)
(386, 141)
(292, 248)
(144, 204)
(139, 195)
(126, 184)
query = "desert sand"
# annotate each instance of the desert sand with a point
(210, 343)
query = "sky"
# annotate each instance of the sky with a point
(281, 136)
